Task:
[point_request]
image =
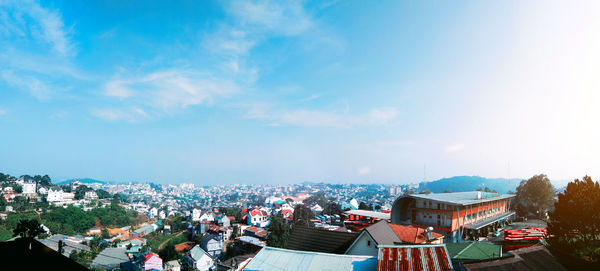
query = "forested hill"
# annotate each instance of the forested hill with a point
(470, 183)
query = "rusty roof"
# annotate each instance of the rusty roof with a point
(415, 257)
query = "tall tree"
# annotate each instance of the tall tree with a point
(535, 195)
(576, 212)
(302, 215)
(28, 228)
(332, 208)
(363, 206)
(280, 232)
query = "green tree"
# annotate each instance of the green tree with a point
(80, 191)
(102, 194)
(535, 195)
(280, 232)
(487, 189)
(28, 228)
(575, 223)
(447, 191)
(303, 215)
(168, 253)
(425, 191)
(17, 188)
(332, 208)
(363, 206)
(105, 234)
(318, 198)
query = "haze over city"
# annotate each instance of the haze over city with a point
(344, 92)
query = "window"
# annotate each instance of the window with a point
(368, 242)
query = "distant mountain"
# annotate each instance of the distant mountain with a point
(470, 183)
(83, 180)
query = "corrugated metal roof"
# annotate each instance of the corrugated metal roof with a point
(525, 259)
(425, 257)
(474, 251)
(318, 240)
(462, 198)
(291, 260)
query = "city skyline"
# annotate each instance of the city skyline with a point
(277, 92)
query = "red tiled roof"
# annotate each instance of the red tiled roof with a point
(287, 211)
(255, 212)
(150, 255)
(411, 234)
(261, 234)
(408, 258)
(253, 229)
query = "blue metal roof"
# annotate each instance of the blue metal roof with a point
(462, 198)
(270, 258)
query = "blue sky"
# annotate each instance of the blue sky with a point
(283, 92)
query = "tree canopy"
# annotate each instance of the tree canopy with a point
(575, 223)
(28, 228)
(535, 195)
(280, 232)
(332, 208)
(302, 215)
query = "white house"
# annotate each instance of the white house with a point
(258, 218)
(207, 217)
(153, 212)
(212, 244)
(198, 259)
(55, 195)
(90, 195)
(196, 213)
(162, 214)
(29, 188)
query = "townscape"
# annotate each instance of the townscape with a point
(240, 227)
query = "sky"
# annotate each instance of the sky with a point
(277, 92)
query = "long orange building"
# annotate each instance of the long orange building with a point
(459, 215)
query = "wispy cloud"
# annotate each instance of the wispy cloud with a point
(455, 147)
(30, 19)
(364, 170)
(30, 83)
(171, 89)
(116, 114)
(319, 118)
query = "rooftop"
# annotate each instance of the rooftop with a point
(525, 259)
(462, 198)
(285, 259)
(378, 215)
(318, 240)
(414, 257)
(474, 251)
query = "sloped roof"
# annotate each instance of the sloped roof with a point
(412, 234)
(474, 251)
(413, 257)
(318, 240)
(383, 234)
(270, 258)
(31, 254)
(525, 259)
(196, 253)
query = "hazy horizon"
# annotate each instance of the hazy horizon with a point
(285, 92)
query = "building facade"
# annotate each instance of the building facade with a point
(459, 216)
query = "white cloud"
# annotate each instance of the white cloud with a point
(364, 170)
(2, 112)
(168, 90)
(32, 84)
(29, 18)
(286, 18)
(319, 118)
(116, 114)
(455, 147)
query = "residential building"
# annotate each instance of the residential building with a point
(172, 266)
(29, 188)
(90, 195)
(196, 213)
(212, 244)
(258, 218)
(152, 262)
(383, 233)
(198, 259)
(459, 215)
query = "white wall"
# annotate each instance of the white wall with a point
(362, 247)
